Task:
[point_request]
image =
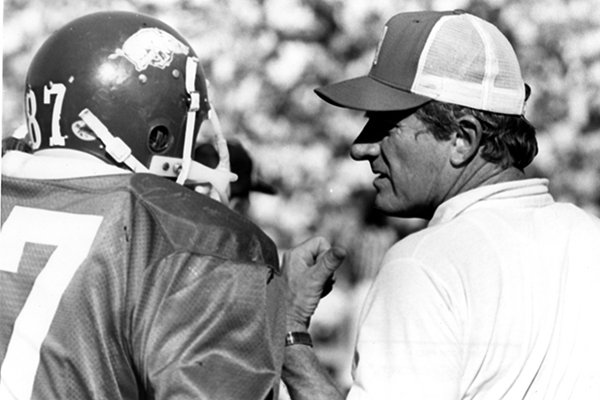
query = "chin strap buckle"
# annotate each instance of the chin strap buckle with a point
(114, 146)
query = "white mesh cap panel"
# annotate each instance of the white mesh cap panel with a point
(468, 61)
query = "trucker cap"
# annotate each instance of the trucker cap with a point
(449, 56)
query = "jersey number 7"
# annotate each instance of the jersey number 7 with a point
(73, 235)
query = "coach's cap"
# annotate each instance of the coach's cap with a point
(449, 56)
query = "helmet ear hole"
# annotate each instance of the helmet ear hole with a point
(159, 139)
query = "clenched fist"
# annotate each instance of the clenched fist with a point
(308, 269)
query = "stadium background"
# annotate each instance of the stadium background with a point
(264, 58)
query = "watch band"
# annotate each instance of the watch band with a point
(292, 338)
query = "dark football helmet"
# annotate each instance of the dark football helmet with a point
(128, 89)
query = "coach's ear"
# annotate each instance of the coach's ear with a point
(465, 140)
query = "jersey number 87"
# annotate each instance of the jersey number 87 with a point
(57, 90)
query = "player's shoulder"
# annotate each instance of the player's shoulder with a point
(194, 222)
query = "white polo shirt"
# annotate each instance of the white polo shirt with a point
(498, 298)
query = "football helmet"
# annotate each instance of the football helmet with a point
(128, 89)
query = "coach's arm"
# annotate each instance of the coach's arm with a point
(307, 267)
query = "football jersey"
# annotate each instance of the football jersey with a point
(133, 287)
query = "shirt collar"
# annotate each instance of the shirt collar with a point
(526, 192)
(55, 164)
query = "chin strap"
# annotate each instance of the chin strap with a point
(192, 172)
(191, 67)
(114, 146)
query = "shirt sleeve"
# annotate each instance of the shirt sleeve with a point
(408, 346)
(206, 328)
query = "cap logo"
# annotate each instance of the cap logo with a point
(150, 47)
(378, 49)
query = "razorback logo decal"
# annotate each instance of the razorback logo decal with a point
(151, 47)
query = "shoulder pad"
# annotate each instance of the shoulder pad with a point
(194, 222)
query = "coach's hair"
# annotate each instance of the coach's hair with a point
(507, 140)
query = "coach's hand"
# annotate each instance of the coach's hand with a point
(308, 269)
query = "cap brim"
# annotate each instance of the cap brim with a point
(366, 94)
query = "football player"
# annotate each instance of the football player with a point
(116, 280)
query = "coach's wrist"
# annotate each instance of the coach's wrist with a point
(298, 338)
(296, 326)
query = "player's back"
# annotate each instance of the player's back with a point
(108, 283)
